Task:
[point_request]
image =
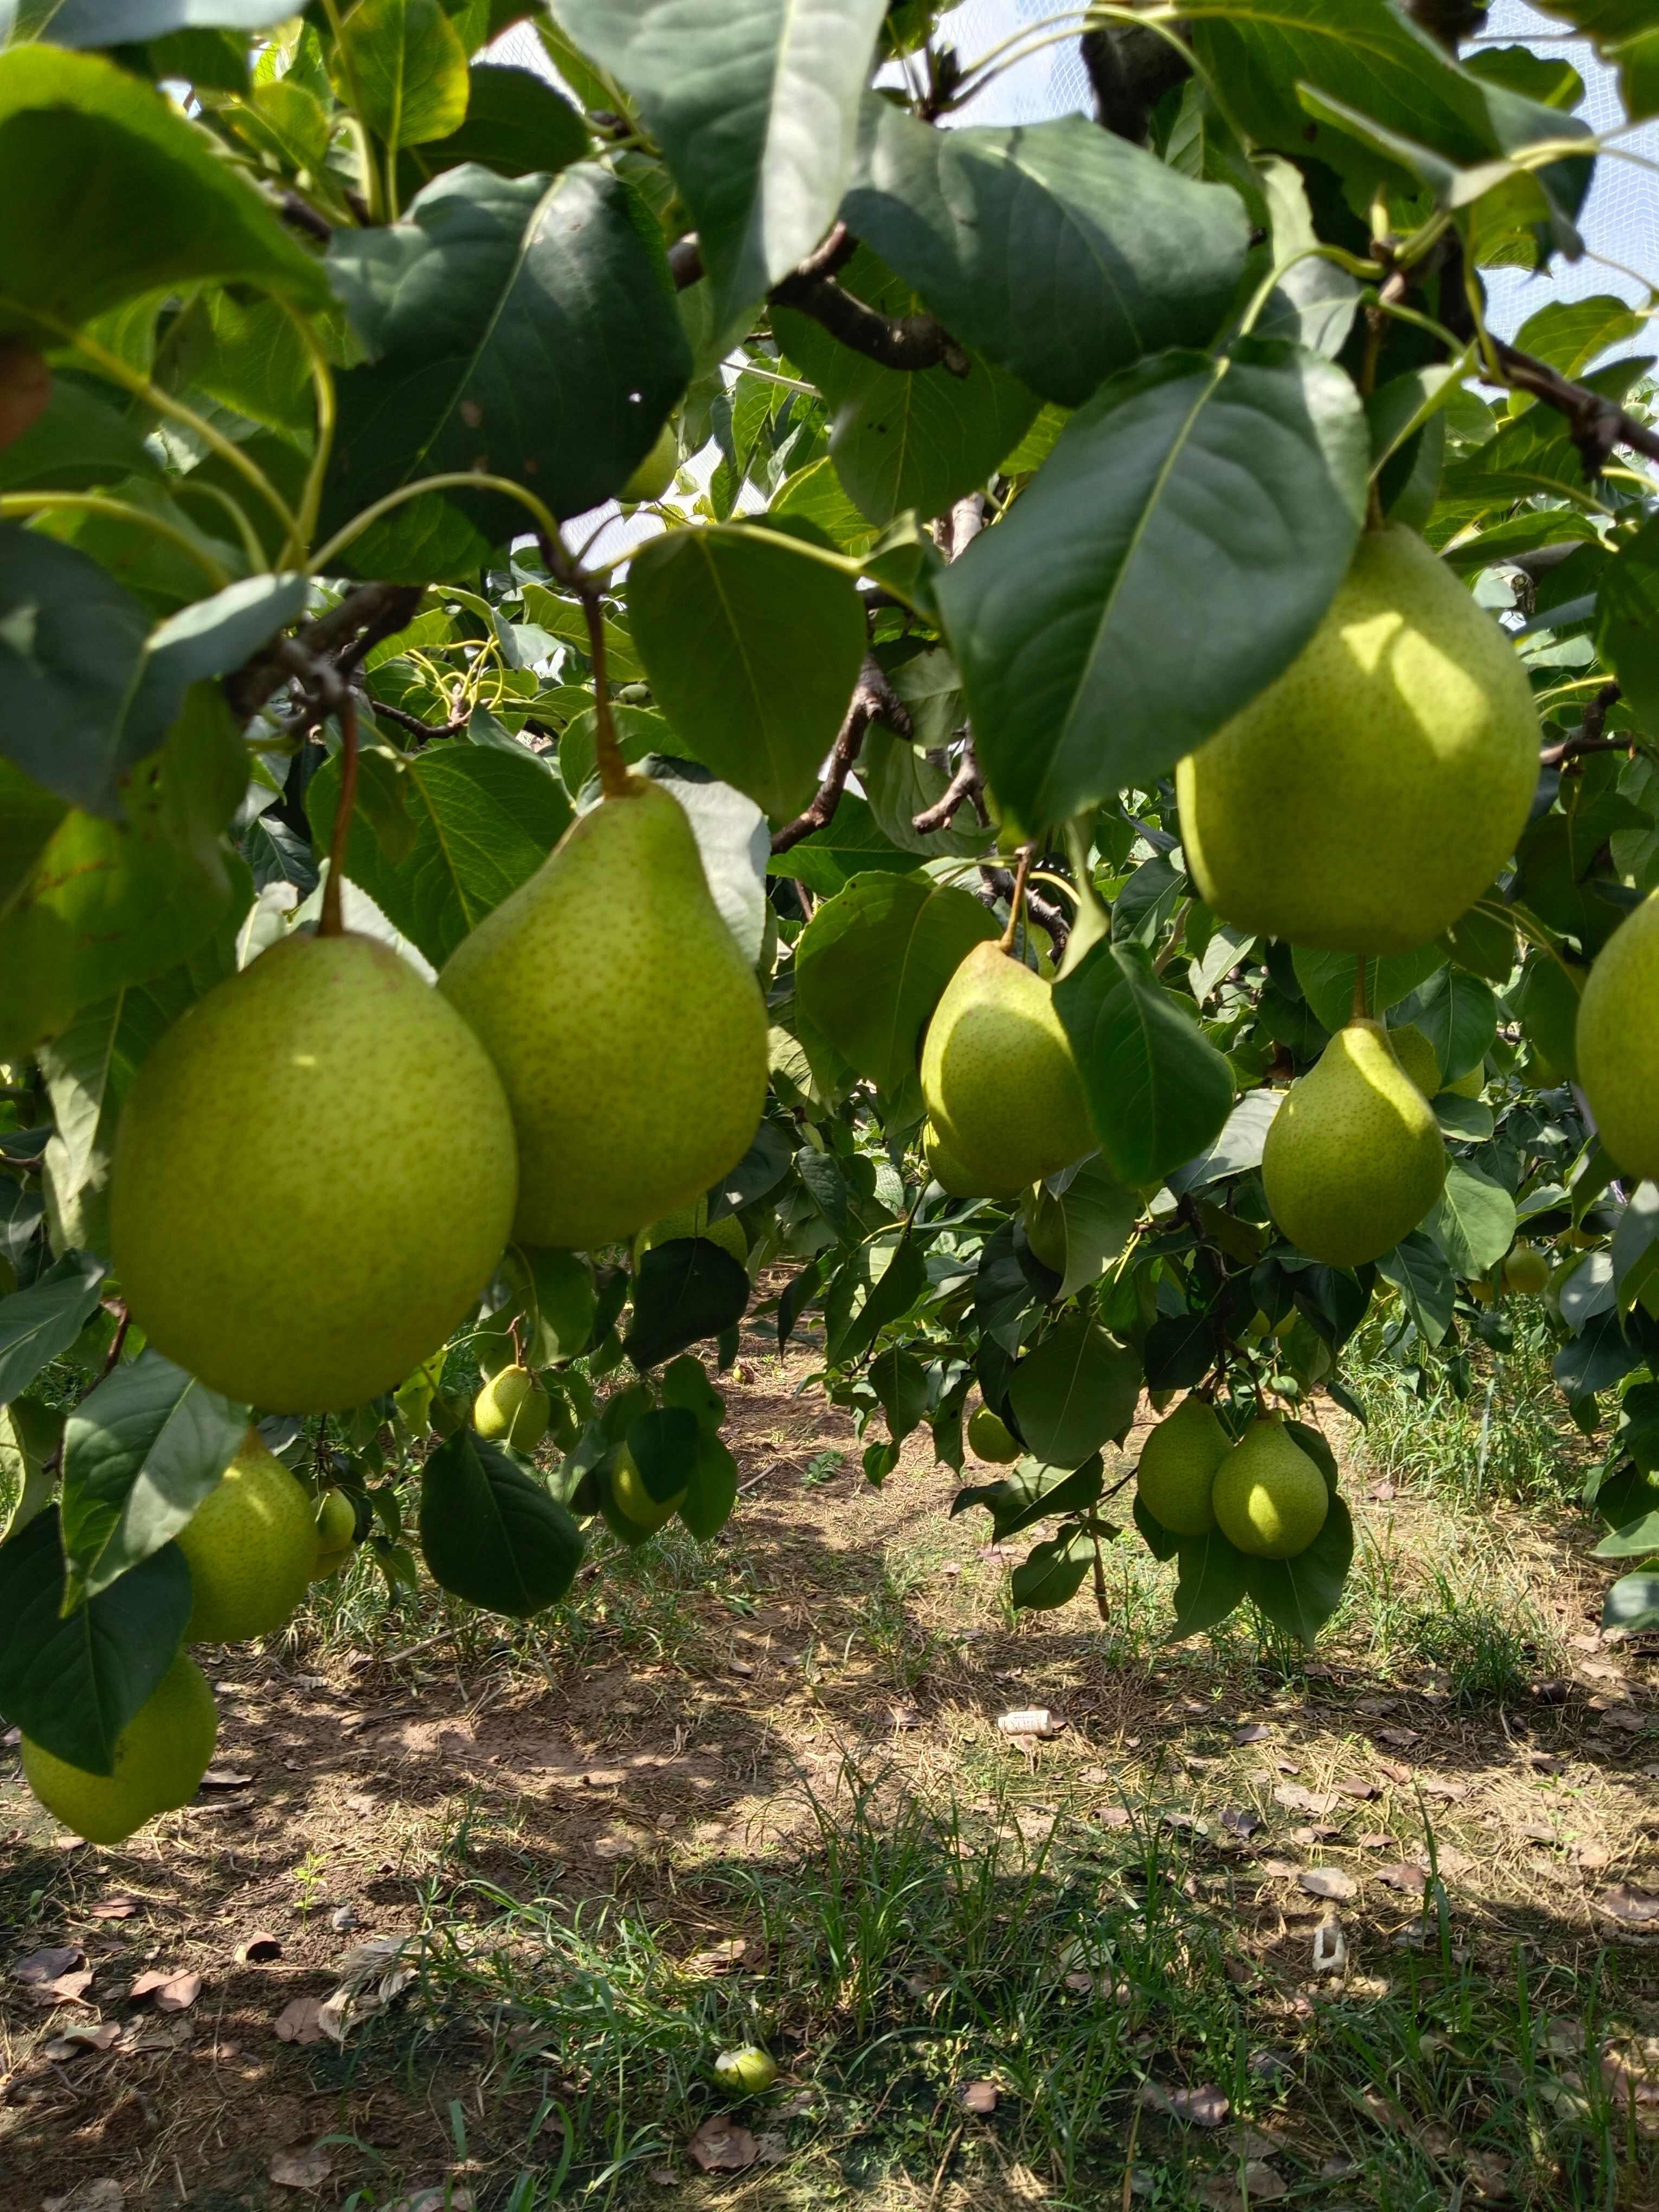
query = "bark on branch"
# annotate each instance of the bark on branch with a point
(337, 641)
(1596, 425)
(999, 885)
(873, 700)
(967, 783)
(1590, 736)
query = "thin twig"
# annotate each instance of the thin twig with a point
(344, 636)
(1016, 897)
(1597, 425)
(873, 699)
(965, 785)
(328, 923)
(1589, 737)
(404, 720)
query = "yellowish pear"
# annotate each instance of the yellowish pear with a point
(628, 1027)
(1270, 1499)
(1366, 798)
(160, 1756)
(1525, 1269)
(250, 1546)
(337, 1532)
(512, 1408)
(633, 1500)
(1353, 1159)
(989, 1438)
(1618, 1042)
(1177, 1469)
(1002, 1089)
(1417, 1056)
(946, 1170)
(313, 1178)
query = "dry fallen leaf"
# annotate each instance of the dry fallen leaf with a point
(81, 2037)
(1204, 2107)
(1412, 1879)
(904, 1718)
(722, 2145)
(1240, 1821)
(37, 1968)
(308, 2167)
(224, 1778)
(297, 2021)
(174, 1992)
(1436, 1785)
(1111, 1816)
(720, 1959)
(255, 1950)
(1636, 1908)
(979, 2096)
(437, 2197)
(1252, 1732)
(114, 1908)
(1233, 2190)
(1328, 1882)
(1296, 1799)
(68, 1989)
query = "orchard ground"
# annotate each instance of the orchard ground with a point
(758, 1791)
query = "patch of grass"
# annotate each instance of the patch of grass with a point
(1509, 1438)
(1467, 1617)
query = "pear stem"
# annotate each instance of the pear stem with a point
(1017, 899)
(614, 779)
(329, 923)
(1361, 1007)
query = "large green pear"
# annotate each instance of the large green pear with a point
(1003, 1092)
(947, 1171)
(313, 1178)
(250, 1546)
(160, 1756)
(627, 1026)
(1367, 797)
(1270, 1499)
(1617, 1039)
(1177, 1469)
(1353, 1159)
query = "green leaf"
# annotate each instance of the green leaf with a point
(684, 1290)
(871, 965)
(1158, 1091)
(110, 22)
(1058, 249)
(402, 65)
(114, 197)
(1326, 981)
(1633, 1604)
(1458, 1014)
(485, 821)
(1052, 1574)
(1214, 1577)
(492, 1535)
(752, 647)
(109, 903)
(1633, 1541)
(755, 111)
(817, 495)
(1084, 1224)
(1300, 1595)
(880, 1284)
(1570, 334)
(72, 1684)
(900, 1382)
(514, 325)
(80, 440)
(1545, 1003)
(1472, 1221)
(1626, 615)
(1032, 1493)
(39, 1323)
(712, 1490)
(1627, 39)
(141, 1452)
(850, 843)
(517, 123)
(1076, 1391)
(1417, 1267)
(1239, 485)
(663, 1445)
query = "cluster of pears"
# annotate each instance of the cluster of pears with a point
(1264, 1494)
(317, 1168)
(1361, 803)
(252, 1546)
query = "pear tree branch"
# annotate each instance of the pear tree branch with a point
(1590, 736)
(967, 783)
(873, 699)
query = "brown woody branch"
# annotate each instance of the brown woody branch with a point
(381, 709)
(873, 700)
(999, 885)
(335, 643)
(967, 783)
(1590, 736)
(1596, 425)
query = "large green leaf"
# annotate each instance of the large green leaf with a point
(1627, 39)
(401, 64)
(108, 903)
(109, 22)
(72, 1683)
(1032, 1493)
(1088, 1223)
(686, 1290)
(141, 1452)
(1051, 1574)
(1058, 249)
(752, 647)
(111, 195)
(517, 325)
(82, 439)
(1212, 1579)
(1078, 1390)
(1300, 1595)
(852, 842)
(517, 123)
(1472, 1221)
(1158, 1091)
(39, 1323)
(484, 820)
(878, 1283)
(1237, 486)
(873, 961)
(1458, 1014)
(755, 105)
(491, 1534)
(1327, 980)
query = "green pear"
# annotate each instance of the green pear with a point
(250, 1546)
(1366, 798)
(337, 1532)
(1525, 1269)
(631, 1498)
(1417, 1056)
(989, 1438)
(1177, 1469)
(160, 1756)
(1353, 1159)
(693, 1221)
(1617, 1041)
(997, 1072)
(654, 475)
(512, 1408)
(628, 1027)
(1270, 1498)
(313, 1178)
(746, 2072)
(946, 1170)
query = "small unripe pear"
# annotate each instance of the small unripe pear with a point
(1177, 1469)
(1417, 1056)
(512, 1408)
(336, 1531)
(1525, 1269)
(654, 475)
(633, 1500)
(1353, 1159)
(746, 2072)
(1618, 1042)
(990, 1438)
(250, 1546)
(1270, 1499)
